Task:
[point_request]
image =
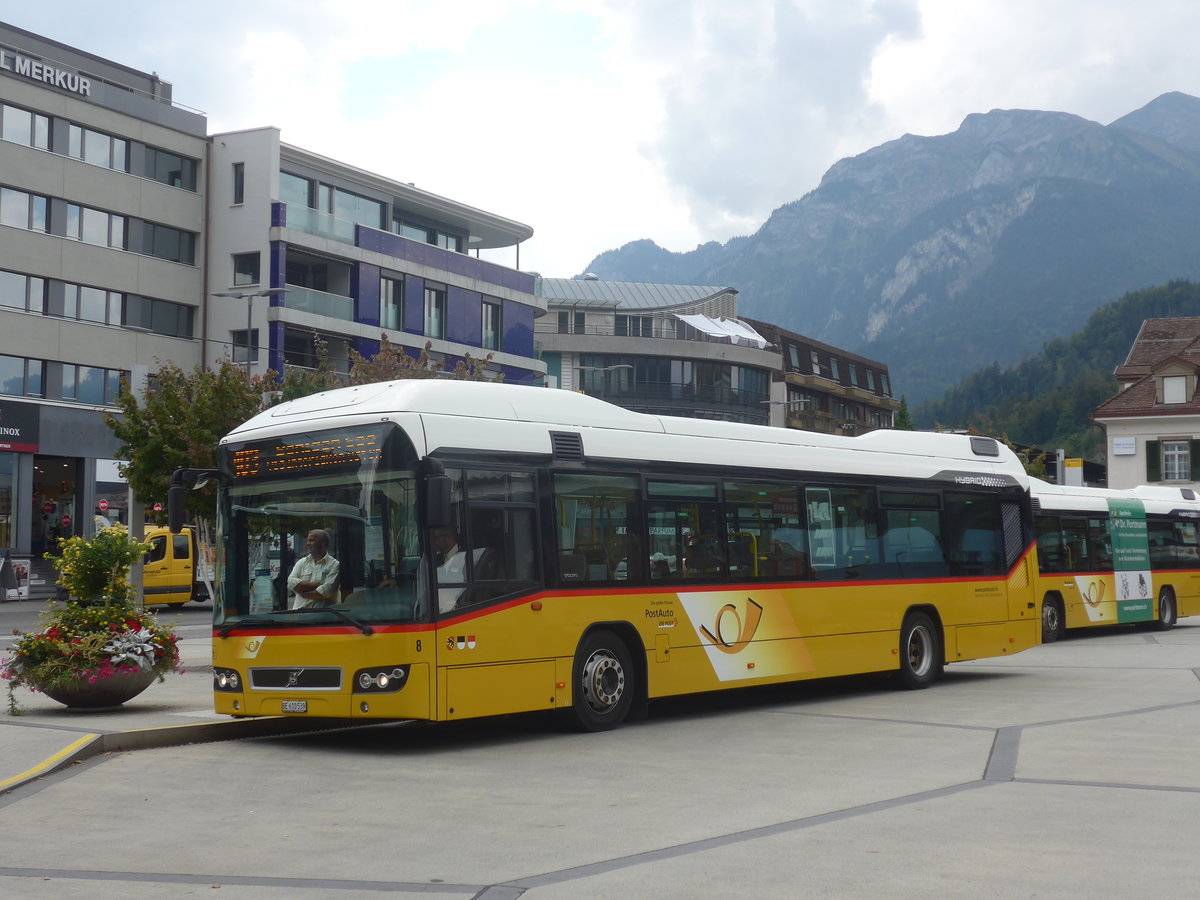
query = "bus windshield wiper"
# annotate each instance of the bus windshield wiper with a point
(340, 613)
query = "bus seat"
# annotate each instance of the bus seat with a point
(572, 566)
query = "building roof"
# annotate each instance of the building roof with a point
(1159, 341)
(1156, 340)
(590, 293)
(778, 336)
(487, 230)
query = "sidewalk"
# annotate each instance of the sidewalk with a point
(47, 736)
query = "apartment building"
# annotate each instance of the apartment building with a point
(129, 236)
(102, 220)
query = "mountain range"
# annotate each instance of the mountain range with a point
(942, 255)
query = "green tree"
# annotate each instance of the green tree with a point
(178, 422)
(392, 363)
(903, 421)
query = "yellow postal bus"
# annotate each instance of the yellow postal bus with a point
(1111, 557)
(504, 549)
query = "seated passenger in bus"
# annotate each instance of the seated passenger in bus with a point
(314, 578)
(660, 567)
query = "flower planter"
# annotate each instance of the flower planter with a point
(104, 693)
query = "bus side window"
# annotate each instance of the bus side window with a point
(598, 529)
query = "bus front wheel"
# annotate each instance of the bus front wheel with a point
(1052, 620)
(1166, 609)
(920, 652)
(603, 686)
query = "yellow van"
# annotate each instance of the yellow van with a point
(169, 569)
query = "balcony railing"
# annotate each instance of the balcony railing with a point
(662, 329)
(319, 303)
(311, 221)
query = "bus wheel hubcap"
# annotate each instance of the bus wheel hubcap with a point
(603, 681)
(919, 657)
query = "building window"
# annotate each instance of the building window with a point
(1175, 389)
(887, 388)
(1176, 461)
(22, 292)
(491, 326)
(24, 127)
(853, 374)
(20, 377)
(158, 316)
(245, 268)
(238, 343)
(572, 323)
(391, 302)
(294, 189)
(435, 312)
(89, 304)
(635, 326)
(239, 183)
(97, 148)
(170, 168)
(22, 210)
(870, 381)
(833, 369)
(91, 384)
(793, 358)
(166, 243)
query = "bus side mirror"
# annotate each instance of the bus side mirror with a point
(176, 497)
(437, 501)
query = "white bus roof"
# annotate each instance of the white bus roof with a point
(494, 417)
(1075, 498)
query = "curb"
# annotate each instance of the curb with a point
(91, 745)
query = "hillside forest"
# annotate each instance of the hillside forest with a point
(1047, 399)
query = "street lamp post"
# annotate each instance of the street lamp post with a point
(249, 296)
(603, 370)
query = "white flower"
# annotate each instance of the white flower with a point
(134, 648)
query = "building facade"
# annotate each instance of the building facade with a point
(102, 221)
(671, 350)
(823, 388)
(128, 237)
(1152, 425)
(308, 245)
(682, 350)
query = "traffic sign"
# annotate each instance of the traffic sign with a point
(103, 504)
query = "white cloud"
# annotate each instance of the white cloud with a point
(603, 121)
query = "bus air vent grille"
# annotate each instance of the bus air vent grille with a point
(566, 445)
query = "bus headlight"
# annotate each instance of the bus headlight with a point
(227, 680)
(381, 679)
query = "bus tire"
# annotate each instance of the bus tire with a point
(603, 687)
(920, 652)
(1167, 615)
(1052, 619)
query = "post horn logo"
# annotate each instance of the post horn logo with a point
(741, 632)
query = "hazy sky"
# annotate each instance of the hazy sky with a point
(599, 122)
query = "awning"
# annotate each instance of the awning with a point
(732, 330)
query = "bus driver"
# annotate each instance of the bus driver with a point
(314, 578)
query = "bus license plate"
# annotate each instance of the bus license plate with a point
(295, 706)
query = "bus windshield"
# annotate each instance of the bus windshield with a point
(321, 527)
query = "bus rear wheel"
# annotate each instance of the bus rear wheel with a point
(603, 685)
(1052, 620)
(920, 652)
(1166, 609)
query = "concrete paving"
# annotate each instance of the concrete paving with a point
(1066, 771)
